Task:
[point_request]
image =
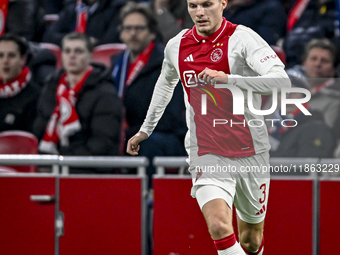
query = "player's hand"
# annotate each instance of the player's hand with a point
(133, 143)
(212, 76)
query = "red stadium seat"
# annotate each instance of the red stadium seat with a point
(103, 53)
(19, 142)
(55, 49)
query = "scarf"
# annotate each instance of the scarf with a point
(296, 13)
(64, 120)
(82, 16)
(15, 86)
(327, 84)
(3, 15)
(124, 72)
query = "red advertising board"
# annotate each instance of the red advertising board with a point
(179, 227)
(27, 227)
(329, 216)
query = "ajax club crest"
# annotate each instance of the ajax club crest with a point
(216, 54)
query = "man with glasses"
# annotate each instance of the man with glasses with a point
(79, 112)
(136, 71)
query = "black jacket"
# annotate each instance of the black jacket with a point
(25, 18)
(99, 110)
(19, 112)
(102, 23)
(266, 17)
(138, 97)
(310, 138)
(54, 6)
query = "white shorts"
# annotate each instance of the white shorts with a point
(243, 182)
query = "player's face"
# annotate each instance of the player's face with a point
(11, 62)
(319, 64)
(75, 56)
(135, 33)
(207, 15)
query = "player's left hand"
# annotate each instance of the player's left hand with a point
(212, 76)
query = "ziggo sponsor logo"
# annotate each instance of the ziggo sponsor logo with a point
(192, 81)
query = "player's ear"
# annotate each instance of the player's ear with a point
(224, 3)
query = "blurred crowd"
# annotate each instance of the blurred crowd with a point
(92, 108)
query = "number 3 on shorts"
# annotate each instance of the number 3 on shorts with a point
(263, 189)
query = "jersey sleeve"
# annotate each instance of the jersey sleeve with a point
(262, 59)
(164, 89)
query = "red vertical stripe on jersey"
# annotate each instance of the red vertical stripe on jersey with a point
(197, 53)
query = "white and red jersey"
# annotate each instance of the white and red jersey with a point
(251, 64)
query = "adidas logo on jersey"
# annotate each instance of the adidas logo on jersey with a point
(189, 58)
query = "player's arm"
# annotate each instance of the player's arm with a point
(212, 76)
(276, 77)
(262, 59)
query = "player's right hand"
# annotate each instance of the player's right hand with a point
(212, 76)
(133, 143)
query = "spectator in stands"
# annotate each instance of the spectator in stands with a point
(18, 93)
(288, 5)
(79, 112)
(136, 71)
(266, 17)
(318, 65)
(309, 136)
(314, 20)
(24, 18)
(54, 6)
(97, 18)
(172, 17)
